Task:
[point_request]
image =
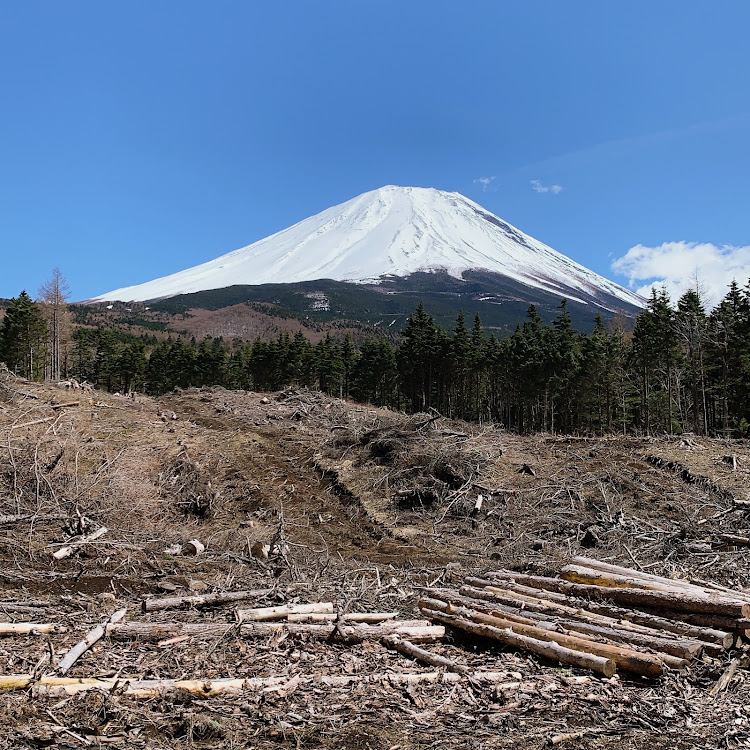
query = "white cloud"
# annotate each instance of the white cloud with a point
(485, 182)
(537, 186)
(677, 266)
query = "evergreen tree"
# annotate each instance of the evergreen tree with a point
(417, 357)
(23, 338)
(691, 324)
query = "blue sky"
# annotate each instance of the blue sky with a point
(140, 138)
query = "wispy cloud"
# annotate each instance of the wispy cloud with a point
(537, 186)
(485, 182)
(679, 265)
(598, 152)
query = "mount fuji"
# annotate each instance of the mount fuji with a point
(393, 233)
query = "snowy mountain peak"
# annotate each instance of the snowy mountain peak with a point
(391, 231)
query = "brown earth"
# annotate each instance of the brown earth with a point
(369, 506)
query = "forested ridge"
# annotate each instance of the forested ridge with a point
(678, 368)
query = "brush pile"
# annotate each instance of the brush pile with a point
(598, 616)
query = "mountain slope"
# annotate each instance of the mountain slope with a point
(393, 232)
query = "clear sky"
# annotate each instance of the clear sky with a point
(140, 138)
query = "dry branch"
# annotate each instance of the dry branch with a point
(202, 600)
(420, 630)
(75, 544)
(91, 638)
(435, 660)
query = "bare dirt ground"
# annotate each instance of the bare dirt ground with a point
(368, 506)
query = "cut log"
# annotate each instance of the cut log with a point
(29, 628)
(65, 405)
(629, 660)
(312, 617)
(704, 619)
(202, 600)
(597, 625)
(75, 544)
(719, 638)
(734, 539)
(672, 583)
(193, 548)
(265, 614)
(407, 648)
(351, 617)
(419, 630)
(548, 649)
(370, 617)
(63, 686)
(608, 579)
(683, 602)
(91, 638)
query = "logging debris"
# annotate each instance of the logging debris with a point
(659, 624)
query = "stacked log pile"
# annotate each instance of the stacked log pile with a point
(597, 616)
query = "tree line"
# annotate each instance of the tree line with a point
(679, 368)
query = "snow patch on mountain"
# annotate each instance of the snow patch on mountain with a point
(392, 231)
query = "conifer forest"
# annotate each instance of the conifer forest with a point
(676, 368)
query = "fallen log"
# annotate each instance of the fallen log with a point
(697, 586)
(415, 630)
(75, 544)
(716, 636)
(627, 659)
(351, 617)
(63, 686)
(548, 649)
(682, 602)
(734, 539)
(33, 422)
(704, 619)
(29, 628)
(202, 600)
(407, 648)
(265, 614)
(312, 617)
(65, 405)
(608, 579)
(91, 638)
(595, 625)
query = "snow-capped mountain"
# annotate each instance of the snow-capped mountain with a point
(393, 232)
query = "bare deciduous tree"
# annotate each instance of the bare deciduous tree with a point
(53, 296)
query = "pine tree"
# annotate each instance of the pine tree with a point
(691, 325)
(417, 357)
(460, 367)
(23, 338)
